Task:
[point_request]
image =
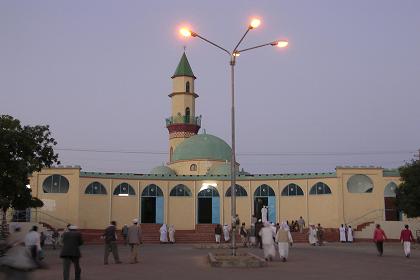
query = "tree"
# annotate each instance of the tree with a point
(408, 193)
(23, 150)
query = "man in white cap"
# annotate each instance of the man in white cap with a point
(284, 238)
(70, 252)
(134, 239)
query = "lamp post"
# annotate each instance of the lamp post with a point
(255, 22)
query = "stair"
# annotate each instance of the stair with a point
(203, 233)
(363, 226)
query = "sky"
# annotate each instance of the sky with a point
(345, 92)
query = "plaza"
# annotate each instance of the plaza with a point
(333, 261)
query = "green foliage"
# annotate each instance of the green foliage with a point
(23, 150)
(408, 193)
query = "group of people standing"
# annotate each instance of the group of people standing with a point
(166, 232)
(346, 233)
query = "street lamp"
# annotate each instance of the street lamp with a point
(254, 23)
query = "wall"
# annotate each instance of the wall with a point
(64, 207)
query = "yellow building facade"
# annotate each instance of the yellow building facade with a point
(194, 186)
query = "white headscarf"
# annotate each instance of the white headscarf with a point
(163, 228)
(284, 226)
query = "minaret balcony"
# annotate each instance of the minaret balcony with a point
(183, 120)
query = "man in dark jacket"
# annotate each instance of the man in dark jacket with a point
(70, 253)
(110, 236)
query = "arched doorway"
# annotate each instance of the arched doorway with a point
(391, 211)
(152, 205)
(208, 211)
(264, 196)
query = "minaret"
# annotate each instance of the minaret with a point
(183, 123)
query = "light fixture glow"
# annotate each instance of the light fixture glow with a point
(236, 54)
(185, 32)
(255, 22)
(282, 44)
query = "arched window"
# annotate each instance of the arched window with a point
(359, 184)
(291, 190)
(55, 184)
(209, 191)
(193, 167)
(264, 190)
(187, 87)
(171, 151)
(152, 190)
(187, 115)
(239, 191)
(124, 189)
(320, 188)
(180, 190)
(95, 188)
(390, 189)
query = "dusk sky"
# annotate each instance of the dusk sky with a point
(345, 92)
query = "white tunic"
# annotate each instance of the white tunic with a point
(264, 214)
(312, 236)
(350, 234)
(226, 232)
(342, 234)
(267, 240)
(163, 234)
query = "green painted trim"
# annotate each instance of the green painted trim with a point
(391, 173)
(134, 176)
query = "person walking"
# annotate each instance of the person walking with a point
(258, 226)
(70, 253)
(244, 235)
(267, 238)
(171, 232)
(55, 238)
(312, 235)
(110, 236)
(217, 233)
(320, 235)
(124, 232)
(301, 224)
(283, 239)
(33, 243)
(406, 237)
(226, 233)
(379, 237)
(134, 240)
(163, 234)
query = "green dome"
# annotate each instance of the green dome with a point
(162, 170)
(202, 146)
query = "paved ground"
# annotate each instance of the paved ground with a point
(333, 261)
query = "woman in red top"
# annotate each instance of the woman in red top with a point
(379, 238)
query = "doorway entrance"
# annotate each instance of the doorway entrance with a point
(208, 206)
(391, 210)
(152, 205)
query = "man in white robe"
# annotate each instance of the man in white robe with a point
(342, 230)
(267, 238)
(312, 235)
(172, 234)
(264, 213)
(226, 233)
(283, 239)
(163, 234)
(349, 234)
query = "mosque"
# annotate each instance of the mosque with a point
(193, 188)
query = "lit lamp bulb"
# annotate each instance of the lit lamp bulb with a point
(236, 54)
(281, 44)
(185, 32)
(255, 22)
